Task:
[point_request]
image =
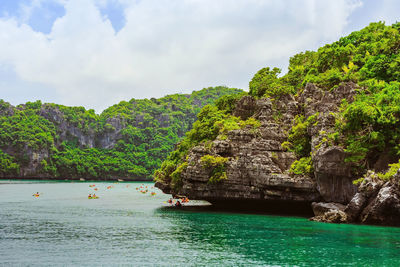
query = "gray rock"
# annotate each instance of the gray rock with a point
(319, 208)
(384, 208)
(355, 207)
(245, 107)
(377, 202)
(331, 216)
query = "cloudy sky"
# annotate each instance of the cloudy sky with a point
(95, 53)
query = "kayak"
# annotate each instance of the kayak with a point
(36, 195)
(96, 197)
(166, 204)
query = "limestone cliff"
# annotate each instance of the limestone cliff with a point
(258, 166)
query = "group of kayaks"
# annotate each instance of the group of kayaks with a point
(93, 196)
(144, 189)
(177, 202)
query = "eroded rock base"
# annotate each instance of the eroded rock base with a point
(284, 208)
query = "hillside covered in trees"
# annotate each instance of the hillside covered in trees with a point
(128, 140)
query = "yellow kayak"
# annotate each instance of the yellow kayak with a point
(96, 197)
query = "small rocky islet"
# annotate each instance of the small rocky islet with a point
(323, 138)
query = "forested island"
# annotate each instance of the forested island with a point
(128, 140)
(327, 133)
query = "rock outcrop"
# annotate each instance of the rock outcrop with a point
(320, 208)
(331, 216)
(258, 166)
(329, 212)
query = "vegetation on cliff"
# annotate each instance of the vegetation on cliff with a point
(365, 128)
(370, 124)
(214, 121)
(127, 140)
(216, 167)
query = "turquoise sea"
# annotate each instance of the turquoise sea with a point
(63, 227)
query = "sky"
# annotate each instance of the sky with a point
(96, 53)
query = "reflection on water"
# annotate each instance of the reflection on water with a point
(126, 227)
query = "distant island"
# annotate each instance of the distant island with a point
(322, 138)
(126, 141)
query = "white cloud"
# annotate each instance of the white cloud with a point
(166, 46)
(387, 12)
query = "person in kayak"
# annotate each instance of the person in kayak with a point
(90, 195)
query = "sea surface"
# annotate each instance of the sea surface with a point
(63, 227)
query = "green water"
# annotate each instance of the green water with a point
(62, 227)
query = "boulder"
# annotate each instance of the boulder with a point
(384, 209)
(331, 216)
(319, 208)
(377, 202)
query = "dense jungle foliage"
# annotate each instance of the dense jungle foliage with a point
(365, 128)
(127, 140)
(369, 126)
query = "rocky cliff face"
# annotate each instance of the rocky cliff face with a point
(376, 202)
(257, 169)
(67, 130)
(258, 166)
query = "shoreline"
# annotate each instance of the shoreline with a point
(76, 179)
